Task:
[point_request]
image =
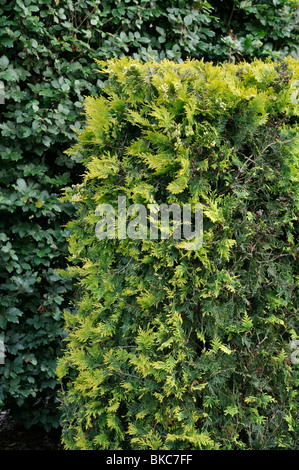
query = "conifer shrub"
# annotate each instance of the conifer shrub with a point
(169, 348)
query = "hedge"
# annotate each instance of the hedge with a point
(172, 348)
(47, 67)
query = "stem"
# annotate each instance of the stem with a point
(230, 17)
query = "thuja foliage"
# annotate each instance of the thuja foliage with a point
(171, 348)
(47, 47)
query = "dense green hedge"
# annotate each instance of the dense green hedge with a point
(186, 349)
(46, 65)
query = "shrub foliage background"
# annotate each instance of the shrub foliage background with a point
(178, 349)
(46, 65)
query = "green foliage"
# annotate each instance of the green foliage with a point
(186, 349)
(47, 47)
(258, 28)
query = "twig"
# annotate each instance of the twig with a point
(203, 74)
(230, 17)
(275, 143)
(122, 269)
(129, 375)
